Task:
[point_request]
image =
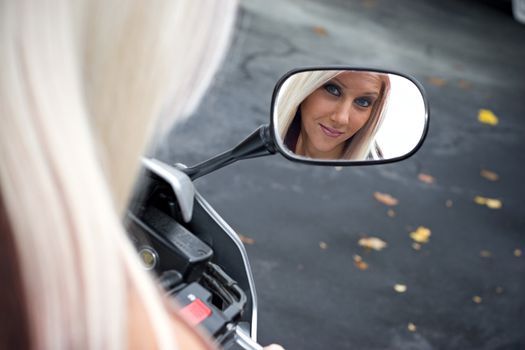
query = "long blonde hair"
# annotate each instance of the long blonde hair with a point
(300, 85)
(81, 86)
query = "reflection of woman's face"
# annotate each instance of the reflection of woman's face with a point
(334, 112)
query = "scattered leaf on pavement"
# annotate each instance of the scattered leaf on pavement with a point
(359, 263)
(517, 252)
(416, 246)
(489, 175)
(436, 81)
(369, 3)
(411, 327)
(491, 203)
(428, 179)
(338, 168)
(321, 31)
(464, 84)
(391, 213)
(246, 240)
(421, 235)
(323, 245)
(485, 254)
(486, 116)
(449, 203)
(400, 288)
(372, 243)
(385, 198)
(477, 299)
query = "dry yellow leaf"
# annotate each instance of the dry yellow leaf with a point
(437, 81)
(486, 116)
(485, 254)
(369, 3)
(464, 84)
(385, 198)
(246, 240)
(429, 179)
(323, 245)
(449, 203)
(400, 288)
(321, 31)
(477, 299)
(391, 213)
(411, 327)
(372, 243)
(416, 246)
(489, 175)
(359, 263)
(517, 252)
(491, 203)
(421, 234)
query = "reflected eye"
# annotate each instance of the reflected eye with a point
(363, 102)
(332, 89)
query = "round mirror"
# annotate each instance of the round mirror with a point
(348, 115)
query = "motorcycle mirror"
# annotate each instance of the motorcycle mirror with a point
(348, 116)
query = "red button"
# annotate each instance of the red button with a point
(195, 312)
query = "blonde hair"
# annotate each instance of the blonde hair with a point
(81, 85)
(300, 85)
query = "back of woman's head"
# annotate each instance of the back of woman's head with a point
(81, 85)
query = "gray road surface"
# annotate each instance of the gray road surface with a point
(468, 55)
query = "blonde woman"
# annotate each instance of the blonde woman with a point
(81, 86)
(333, 114)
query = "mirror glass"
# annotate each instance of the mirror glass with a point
(348, 115)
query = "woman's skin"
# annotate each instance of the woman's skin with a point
(334, 112)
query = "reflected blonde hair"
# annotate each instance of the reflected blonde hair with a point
(81, 86)
(300, 85)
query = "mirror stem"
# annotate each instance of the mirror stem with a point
(258, 144)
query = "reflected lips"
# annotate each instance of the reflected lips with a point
(330, 132)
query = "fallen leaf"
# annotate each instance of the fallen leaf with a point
(464, 84)
(485, 254)
(369, 3)
(411, 327)
(323, 245)
(321, 31)
(372, 243)
(338, 168)
(437, 81)
(421, 234)
(486, 116)
(489, 175)
(359, 263)
(246, 240)
(517, 252)
(449, 203)
(400, 288)
(477, 299)
(385, 198)
(499, 290)
(429, 179)
(491, 203)
(416, 246)
(391, 213)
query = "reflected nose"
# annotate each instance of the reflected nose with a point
(341, 115)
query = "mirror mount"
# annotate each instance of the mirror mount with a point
(258, 144)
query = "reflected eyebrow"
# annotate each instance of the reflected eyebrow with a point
(371, 93)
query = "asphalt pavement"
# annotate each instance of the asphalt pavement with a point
(465, 287)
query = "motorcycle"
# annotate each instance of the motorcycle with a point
(196, 256)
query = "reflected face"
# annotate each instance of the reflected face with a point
(334, 112)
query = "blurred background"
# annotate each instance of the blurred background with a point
(445, 268)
